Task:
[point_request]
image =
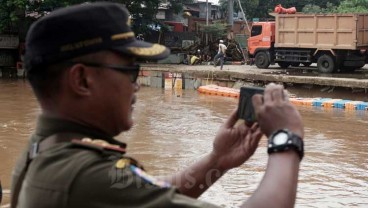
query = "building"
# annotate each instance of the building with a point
(195, 12)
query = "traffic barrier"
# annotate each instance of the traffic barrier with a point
(362, 106)
(220, 91)
(318, 101)
(341, 104)
(296, 101)
(308, 101)
(352, 105)
(330, 103)
(20, 69)
(326, 103)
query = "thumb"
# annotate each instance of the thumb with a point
(232, 119)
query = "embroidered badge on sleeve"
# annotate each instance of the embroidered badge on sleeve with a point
(148, 178)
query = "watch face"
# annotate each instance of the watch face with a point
(280, 138)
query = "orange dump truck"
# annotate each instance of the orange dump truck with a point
(333, 41)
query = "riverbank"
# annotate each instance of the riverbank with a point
(304, 81)
(247, 73)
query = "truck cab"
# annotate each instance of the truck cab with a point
(261, 41)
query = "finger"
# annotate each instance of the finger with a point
(278, 94)
(239, 122)
(257, 135)
(268, 92)
(254, 127)
(243, 129)
(286, 96)
(251, 142)
(229, 123)
(257, 101)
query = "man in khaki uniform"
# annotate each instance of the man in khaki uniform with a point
(80, 62)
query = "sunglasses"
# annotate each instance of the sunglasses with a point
(131, 71)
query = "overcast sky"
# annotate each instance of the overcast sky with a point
(213, 1)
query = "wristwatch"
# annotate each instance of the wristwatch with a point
(283, 140)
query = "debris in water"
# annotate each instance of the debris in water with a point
(331, 90)
(325, 89)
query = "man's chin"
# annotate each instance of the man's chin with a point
(128, 126)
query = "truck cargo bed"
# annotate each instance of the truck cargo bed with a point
(329, 31)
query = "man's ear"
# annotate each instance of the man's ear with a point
(80, 79)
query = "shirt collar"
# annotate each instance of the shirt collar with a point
(46, 126)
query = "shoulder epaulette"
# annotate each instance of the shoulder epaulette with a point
(98, 144)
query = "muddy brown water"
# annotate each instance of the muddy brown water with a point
(175, 128)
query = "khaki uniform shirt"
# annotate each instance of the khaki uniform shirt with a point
(72, 174)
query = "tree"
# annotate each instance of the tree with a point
(216, 30)
(300, 4)
(314, 9)
(249, 7)
(12, 12)
(252, 8)
(262, 8)
(353, 6)
(178, 5)
(143, 13)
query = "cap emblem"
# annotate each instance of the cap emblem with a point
(129, 22)
(123, 36)
(80, 44)
(150, 51)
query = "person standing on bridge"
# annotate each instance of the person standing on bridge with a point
(81, 64)
(220, 56)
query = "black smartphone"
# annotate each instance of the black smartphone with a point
(245, 109)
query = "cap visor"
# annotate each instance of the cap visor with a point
(144, 50)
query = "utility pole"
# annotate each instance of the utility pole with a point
(244, 17)
(230, 9)
(206, 12)
(206, 21)
(230, 19)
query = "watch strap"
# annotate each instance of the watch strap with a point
(293, 142)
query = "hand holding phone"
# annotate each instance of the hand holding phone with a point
(246, 109)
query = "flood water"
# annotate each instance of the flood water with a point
(174, 129)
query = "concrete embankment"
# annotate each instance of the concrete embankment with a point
(230, 74)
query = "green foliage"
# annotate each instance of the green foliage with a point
(10, 12)
(143, 13)
(353, 6)
(217, 30)
(262, 8)
(249, 7)
(177, 5)
(314, 9)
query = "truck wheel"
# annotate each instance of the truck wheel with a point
(326, 64)
(284, 65)
(262, 61)
(295, 64)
